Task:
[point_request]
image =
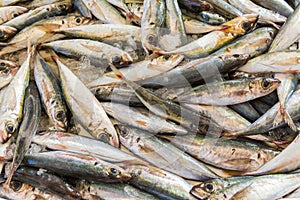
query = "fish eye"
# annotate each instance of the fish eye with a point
(16, 185)
(78, 20)
(5, 71)
(151, 39)
(15, 15)
(246, 26)
(114, 171)
(2, 64)
(62, 7)
(209, 187)
(116, 59)
(204, 16)
(59, 115)
(10, 128)
(265, 84)
(166, 57)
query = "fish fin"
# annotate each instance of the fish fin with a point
(279, 117)
(248, 187)
(118, 73)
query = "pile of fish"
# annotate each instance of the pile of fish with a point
(148, 99)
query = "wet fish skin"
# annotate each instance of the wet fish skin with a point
(63, 141)
(196, 70)
(246, 110)
(99, 54)
(107, 191)
(158, 153)
(253, 43)
(225, 9)
(86, 109)
(229, 92)
(288, 33)
(203, 46)
(51, 95)
(160, 183)
(77, 165)
(279, 6)
(12, 99)
(104, 11)
(46, 182)
(142, 119)
(81, 7)
(247, 6)
(272, 62)
(42, 32)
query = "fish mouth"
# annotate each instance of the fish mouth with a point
(3, 137)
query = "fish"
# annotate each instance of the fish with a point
(279, 6)
(12, 100)
(9, 12)
(117, 191)
(86, 109)
(162, 154)
(104, 11)
(99, 54)
(253, 44)
(142, 119)
(222, 153)
(149, 68)
(204, 45)
(288, 33)
(46, 181)
(247, 6)
(37, 14)
(160, 182)
(77, 165)
(64, 141)
(272, 62)
(40, 32)
(28, 128)
(51, 94)
(229, 92)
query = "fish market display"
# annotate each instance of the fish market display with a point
(147, 99)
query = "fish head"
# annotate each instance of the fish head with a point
(242, 24)
(8, 127)
(123, 60)
(126, 135)
(205, 189)
(116, 173)
(8, 68)
(59, 118)
(7, 32)
(167, 60)
(16, 11)
(264, 85)
(63, 6)
(235, 59)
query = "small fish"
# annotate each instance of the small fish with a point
(279, 6)
(9, 12)
(104, 11)
(203, 46)
(99, 54)
(163, 154)
(77, 165)
(12, 100)
(229, 92)
(51, 94)
(86, 109)
(28, 128)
